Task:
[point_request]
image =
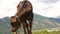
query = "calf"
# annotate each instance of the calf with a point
(24, 14)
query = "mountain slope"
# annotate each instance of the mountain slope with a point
(39, 22)
(55, 19)
(42, 22)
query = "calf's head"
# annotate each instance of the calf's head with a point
(15, 23)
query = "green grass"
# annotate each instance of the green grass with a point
(45, 32)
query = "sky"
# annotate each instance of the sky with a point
(48, 8)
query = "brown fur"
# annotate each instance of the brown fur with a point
(15, 23)
(24, 13)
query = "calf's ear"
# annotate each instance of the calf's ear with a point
(13, 19)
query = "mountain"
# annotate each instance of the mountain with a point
(39, 22)
(58, 17)
(55, 20)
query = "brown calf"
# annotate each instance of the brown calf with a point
(24, 13)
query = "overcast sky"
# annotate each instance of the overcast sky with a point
(48, 8)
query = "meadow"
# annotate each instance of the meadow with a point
(45, 32)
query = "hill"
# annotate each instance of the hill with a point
(39, 22)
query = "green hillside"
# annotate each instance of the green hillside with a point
(39, 22)
(46, 32)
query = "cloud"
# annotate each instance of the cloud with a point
(47, 1)
(0, 0)
(49, 9)
(52, 9)
(8, 7)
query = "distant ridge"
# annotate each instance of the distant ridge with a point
(39, 22)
